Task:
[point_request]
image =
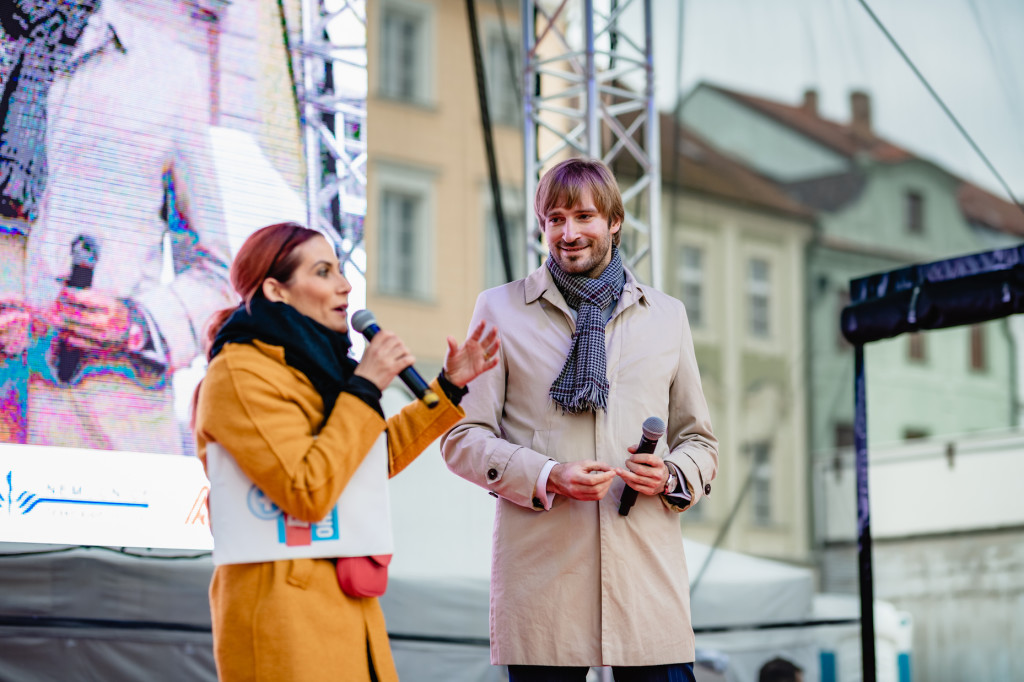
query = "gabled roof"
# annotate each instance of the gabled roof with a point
(978, 206)
(838, 137)
(830, 192)
(981, 207)
(705, 169)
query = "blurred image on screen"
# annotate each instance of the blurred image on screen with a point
(128, 129)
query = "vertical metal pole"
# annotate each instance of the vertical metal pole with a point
(309, 116)
(485, 123)
(677, 125)
(867, 590)
(528, 21)
(586, 110)
(593, 103)
(330, 75)
(653, 144)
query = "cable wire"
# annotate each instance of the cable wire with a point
(941, 103)
(485, 123)
(115, 550)
(510, 52)
(1006, 80)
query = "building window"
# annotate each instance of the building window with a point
(915, 433)
(500, 60)
(844, 300)
(404, 55)
(690, 274)
(759, 296)
(401, 252)
(916, 350)
(844, 435)
(515, 224)
(979, 360)
(761, 483)
(914, 212)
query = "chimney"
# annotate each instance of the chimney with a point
(810, 104)
(860, 113)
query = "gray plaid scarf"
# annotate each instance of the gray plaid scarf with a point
(583, 383)
(39, 36)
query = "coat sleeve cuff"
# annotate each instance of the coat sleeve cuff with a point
(365, 390)
(692, 481)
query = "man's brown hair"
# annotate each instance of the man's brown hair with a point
(563, 185)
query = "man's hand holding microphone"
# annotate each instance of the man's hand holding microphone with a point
(590, 480)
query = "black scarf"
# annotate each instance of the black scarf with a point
(313, 349)
(583, 383)
(40, 35)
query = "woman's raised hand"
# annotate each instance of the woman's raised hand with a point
(478, 354)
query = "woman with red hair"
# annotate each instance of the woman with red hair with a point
(298, 416)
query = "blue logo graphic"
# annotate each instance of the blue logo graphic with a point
(263, 509)
(27, 501)
(261, 506)
(326, 529)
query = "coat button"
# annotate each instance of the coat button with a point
(707, 488)
(537, 503)
(492, 474)
(493, 494)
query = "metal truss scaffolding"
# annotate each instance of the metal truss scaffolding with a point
(589, 91)
(332, 84)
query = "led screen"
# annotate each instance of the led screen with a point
(141, 141)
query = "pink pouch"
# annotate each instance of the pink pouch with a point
(364, 576)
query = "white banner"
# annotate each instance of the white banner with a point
(91, 497)
(249, 527)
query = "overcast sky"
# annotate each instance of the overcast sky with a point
(971, 51)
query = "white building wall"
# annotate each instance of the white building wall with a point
(935, 486)
(947, 519)
(966, 595)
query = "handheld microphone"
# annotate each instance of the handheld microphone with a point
(84, 252)
(653, 429)
(365, 323)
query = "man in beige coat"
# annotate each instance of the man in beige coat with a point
(587, 355)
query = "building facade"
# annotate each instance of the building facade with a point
(431, 235)
(879, 207)
(943, 406)
(733, 250)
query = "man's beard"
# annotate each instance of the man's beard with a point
(585, 264)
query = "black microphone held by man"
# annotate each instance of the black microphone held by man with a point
(653, 430)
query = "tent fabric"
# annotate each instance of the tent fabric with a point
(81, 613)
(439, 624)
(736, 591)
(438, 608)
(739, 590)
(34, 654)
(149, 589)
(947, 293)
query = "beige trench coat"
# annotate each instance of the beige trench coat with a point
(580, 584)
